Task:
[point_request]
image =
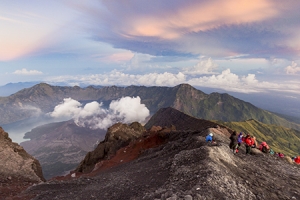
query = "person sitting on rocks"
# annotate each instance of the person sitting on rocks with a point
(234, 142)
(264, 147)
(281, 155)
(297, 159)
(209, 137)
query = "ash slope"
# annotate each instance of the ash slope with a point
(183, 167)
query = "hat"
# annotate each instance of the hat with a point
(211, 134)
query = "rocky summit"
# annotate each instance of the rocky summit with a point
(117, 136)
(176, 163)
(18, 169)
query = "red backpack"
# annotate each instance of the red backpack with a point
(249, 141)
(297, 160)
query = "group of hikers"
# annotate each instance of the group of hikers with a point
(249, 141)
(236, 140)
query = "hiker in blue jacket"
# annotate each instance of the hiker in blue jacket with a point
(240, 141)
(209, 137)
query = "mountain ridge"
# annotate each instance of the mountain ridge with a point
(43, 98)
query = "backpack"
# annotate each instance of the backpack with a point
(271, 152)
(265, 149)
(248, 141)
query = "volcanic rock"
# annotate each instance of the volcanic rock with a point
(117, 136)
(18, 169)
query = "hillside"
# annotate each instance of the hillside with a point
(280, 139)
(18, 169)
(61, 146)
(42, 98)
(167, 163)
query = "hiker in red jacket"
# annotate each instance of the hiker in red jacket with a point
(248, 143)
(297, 160)
(264, 147)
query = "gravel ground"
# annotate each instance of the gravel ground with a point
(185, 167)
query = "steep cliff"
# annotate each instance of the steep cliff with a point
(117, 136)
(18, 169)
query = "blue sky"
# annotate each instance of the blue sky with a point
(237, 46)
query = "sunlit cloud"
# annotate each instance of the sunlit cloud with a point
(205, 66)
(95, 116)
(211, 28)
(292, 69)
(201, 16)
(27, 72)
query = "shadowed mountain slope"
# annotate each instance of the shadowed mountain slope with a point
(179, 165)
(61, 146)
(42, 98)
(170, 116)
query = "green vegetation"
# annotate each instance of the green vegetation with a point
(279, 138)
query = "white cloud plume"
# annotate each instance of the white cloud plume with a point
(292, 69)
(232, 82)
(92, 115)
(205, 66)
(24, 71)
(203, 74)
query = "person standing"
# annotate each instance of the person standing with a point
(240, 141)
(248, 143)
(254, 145)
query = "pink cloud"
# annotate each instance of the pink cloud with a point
(200, 16)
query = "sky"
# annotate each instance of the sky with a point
(237, 46)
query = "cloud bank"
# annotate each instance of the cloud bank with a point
(94, 116)
(203, 74)
(24, 71)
